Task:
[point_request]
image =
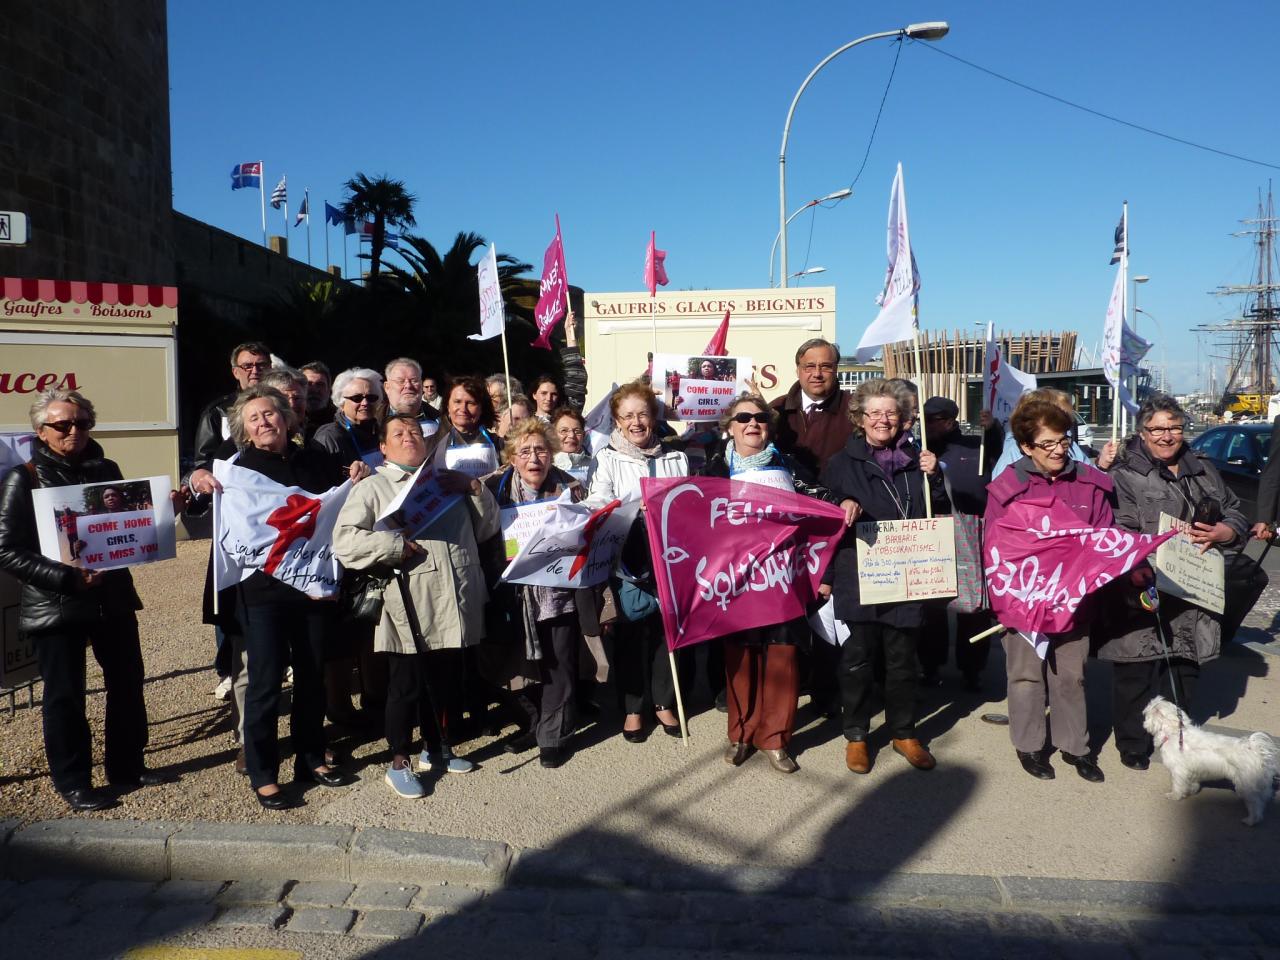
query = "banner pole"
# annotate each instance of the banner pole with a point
(986, 633)
(924, 442)
(262, 199)
(506, 366)
(675, 680)
(327, 260)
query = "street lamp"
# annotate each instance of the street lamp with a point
(832, 197)
(933, 30)
(808, 272)
(1164, 362)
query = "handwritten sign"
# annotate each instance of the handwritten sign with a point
(420, 503)
(103, 526)
(901, 560)
(577, 544)
(474, 459)
(1184, 572)
(697, 387)
(520, 521)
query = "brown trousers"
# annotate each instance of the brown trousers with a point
(763, 683)
(1056, 681)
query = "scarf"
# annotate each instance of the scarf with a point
(892, 459)
(627, 448)
(757, 461)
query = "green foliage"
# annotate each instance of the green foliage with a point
(384, 201)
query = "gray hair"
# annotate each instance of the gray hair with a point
(1159, 403)
(813, 344)
(343, 380)
(258, 391)
(402, 362)
(748, 397)
(501, 380)
(39, 411)
(284, 377)
(874, 389)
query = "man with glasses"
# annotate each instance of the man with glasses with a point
(403, 386)
(813, 417)
(249, 361)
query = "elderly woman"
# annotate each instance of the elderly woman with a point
(1047, 470)
(65, 608)
(1157, 473)
(468, 445)
(281, 624)
(762, 664)
(884, 473)
(539, 623)
(495, 386)
(634, 451)
(444, 585)
(292, 384)
(571, 430)
(516, 412)
(353, 435)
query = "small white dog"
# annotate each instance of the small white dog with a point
(1250, 763)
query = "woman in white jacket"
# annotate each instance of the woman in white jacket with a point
(634, 451)
(446, 588)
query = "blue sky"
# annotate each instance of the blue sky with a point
(667, 116)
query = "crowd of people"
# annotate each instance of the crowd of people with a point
(451, 651)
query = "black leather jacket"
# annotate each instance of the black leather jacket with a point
(51, 594)
(209, 431)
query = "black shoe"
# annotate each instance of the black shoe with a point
(635, 736)
(83, 801)
(276, 801)
(550, 757)
(326, 778)
(1135, 761)
(147, 778)
(1036, 765)
(1086, 766)
(670, 729)
(520, 743)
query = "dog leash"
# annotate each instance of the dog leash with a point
(1150, 601)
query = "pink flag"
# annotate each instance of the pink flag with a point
(718, 345)
(1041, 563)
(553, 291)
(655, 271)
(728, 555)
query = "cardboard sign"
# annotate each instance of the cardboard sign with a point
(1184, 572)
(698, 387)
(576, 545)
(520, 521)
(474, 459)
(419, 504)
(103, 526)
(901, 560)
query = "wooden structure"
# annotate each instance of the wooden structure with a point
(951, 361)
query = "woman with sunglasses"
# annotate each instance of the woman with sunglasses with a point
(1047, 471)
(762, 664)
(634, 451)
(66, 607)
(353, 435)
(883, 472)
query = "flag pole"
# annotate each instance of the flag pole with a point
(285, 207)
(306, 198)
(326, 236)
(675, 680)
(346, 263)
(1124, 255)
(262, 199)
(924, 441)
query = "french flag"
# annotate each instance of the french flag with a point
(247, 175)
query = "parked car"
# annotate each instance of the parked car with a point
(1239, 451)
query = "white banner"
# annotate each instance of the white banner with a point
(1002, 385)
(419, 503)
(599, 423)
(285, 532)
(576, 546)
(15, 449)
(491, 318)
(897, 319)
(698, 387)
(102, 526)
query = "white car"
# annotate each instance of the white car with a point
(1084, 431)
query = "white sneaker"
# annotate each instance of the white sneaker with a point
(404, 783)
(223, 690)
(452, 764)
(288, 676)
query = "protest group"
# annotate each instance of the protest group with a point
(432, 559)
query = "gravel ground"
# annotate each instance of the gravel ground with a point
(977, 813)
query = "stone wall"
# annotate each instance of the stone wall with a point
(84, 139)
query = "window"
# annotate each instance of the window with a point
(1263, 441)
(1239, 448)
(1211, 443)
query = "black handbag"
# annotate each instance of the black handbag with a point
(362, 594)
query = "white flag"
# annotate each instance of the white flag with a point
(491, 319)
(1121, 347)
(577, 545)
(899, 299)
(1002, 385)
(285, 532)
(599, 422)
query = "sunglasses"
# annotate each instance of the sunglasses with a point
(359, 398)
(64, 426)
(748, 417)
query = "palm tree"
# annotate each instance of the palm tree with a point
(384, 200)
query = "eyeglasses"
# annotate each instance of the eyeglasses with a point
(405, 382)
(569, 432)
(816, 367)
(259, 365)
(635, 418)
(359, 398)
(64, 426)
(1164, 431)
(533, 453)
(1048, 446)
(745, 417)
(881, 417)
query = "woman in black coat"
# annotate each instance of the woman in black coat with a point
(884, 473)
(66, 607)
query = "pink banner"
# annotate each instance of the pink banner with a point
(729, 555)
(1041, 563)
(553, 291)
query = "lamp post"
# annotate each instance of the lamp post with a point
(808, 272)
(933, 30)
(835, 197)
(1164, 362)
